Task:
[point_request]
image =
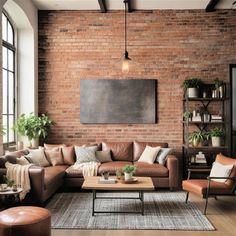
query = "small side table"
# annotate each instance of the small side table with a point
(10, 196)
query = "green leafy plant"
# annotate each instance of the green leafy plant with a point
(33, 126)
(2, 130)
(216, 132)
(218, 83)
(9, 182)
(129, 169)
(191, 83)
(186, 115)
(197, 135)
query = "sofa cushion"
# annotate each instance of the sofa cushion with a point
(53, 174)
(11, 157)
(149, 154)
(151, 170)
(162, 155)
(85, 154)
(103, 156)
(120, 151)
(112, 167)
(68, 155)
(37, 157)
(54, 156)
(50, 146)
(138, 148)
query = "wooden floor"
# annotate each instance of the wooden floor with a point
(221, 213)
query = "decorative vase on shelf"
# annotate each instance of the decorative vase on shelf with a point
(192, 92)
(216, 141)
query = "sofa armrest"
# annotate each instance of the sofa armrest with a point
(36, 175)
(172, 165)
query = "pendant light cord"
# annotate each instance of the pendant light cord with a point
(125, 2)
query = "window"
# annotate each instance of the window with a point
(8, 80)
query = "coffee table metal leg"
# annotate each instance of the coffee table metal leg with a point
(94, 197)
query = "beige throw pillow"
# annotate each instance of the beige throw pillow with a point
(149, 154)
(22, 161)
(37, 157)
(219, 170)
(104, 156)
(54, 156)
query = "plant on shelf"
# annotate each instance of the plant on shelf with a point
(187, 116)
(196, 138)
(191, 87)
(216, 135)
(33, 127)
(129, 170)
(219, 90)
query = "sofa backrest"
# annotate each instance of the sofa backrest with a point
(138, 148)
(120, 151)
(11, 157)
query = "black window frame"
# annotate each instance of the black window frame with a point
(11, 47)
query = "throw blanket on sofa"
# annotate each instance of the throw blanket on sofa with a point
(20, 174)
(87, 168)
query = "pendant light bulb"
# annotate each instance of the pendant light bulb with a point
(126, 63)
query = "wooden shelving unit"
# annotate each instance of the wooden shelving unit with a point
(209, 151)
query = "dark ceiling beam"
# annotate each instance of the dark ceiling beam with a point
(102, 4)
(211, 5)
(130, 8)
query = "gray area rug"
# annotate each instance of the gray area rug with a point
(163, 210)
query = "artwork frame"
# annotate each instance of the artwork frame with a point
(118, 101)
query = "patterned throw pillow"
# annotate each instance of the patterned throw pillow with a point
(85, 154)
(162, 155)
(38, 158)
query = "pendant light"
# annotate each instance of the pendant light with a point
(126, 60)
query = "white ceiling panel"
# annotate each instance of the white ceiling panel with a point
(137, 4)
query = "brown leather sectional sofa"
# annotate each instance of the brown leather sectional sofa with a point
(46, 180)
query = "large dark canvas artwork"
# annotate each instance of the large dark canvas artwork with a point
(118, 101)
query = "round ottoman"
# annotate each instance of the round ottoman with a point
(25, 221)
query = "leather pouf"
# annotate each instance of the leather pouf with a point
(25, 221)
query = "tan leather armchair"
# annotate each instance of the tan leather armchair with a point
(208, 187)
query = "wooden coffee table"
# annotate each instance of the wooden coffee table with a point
(143, 184)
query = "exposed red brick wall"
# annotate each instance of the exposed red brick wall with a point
(166, 45)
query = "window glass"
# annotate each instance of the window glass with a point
(4, 27)
(4, 125)
(4, 92)
(11, 93)
(10, 60)
(4, 58)
(8, 81)
(9, 33)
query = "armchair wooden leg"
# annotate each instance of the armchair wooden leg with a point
(186, 199)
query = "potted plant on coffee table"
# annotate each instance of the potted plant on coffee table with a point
(216, 135)
(129, 171)
(196, 138)
(191, 87)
